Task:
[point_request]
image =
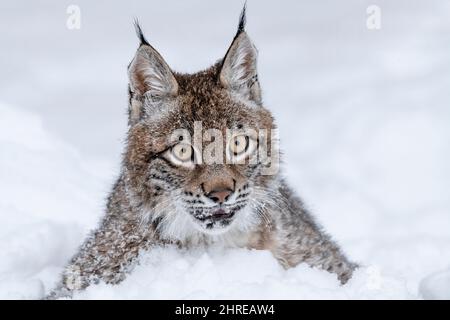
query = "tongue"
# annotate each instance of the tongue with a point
(219, 213)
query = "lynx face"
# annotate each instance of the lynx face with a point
(178, 181)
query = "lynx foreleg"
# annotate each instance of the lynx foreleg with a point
(107, 255)
(298, 239)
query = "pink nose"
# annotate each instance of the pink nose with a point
(219, 196)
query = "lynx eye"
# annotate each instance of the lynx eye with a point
(239, 144)
(183, 152)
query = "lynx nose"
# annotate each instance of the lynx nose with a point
(220, 196)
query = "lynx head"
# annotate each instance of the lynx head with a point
(191, 163)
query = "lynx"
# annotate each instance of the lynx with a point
(166, 195)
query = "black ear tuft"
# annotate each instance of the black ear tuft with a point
(238, 70)
(242, 20)
(139, 33)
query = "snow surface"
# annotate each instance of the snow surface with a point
(364, 122)
(436, 286)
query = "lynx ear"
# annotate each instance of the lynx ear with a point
(149, 73)
(239, 73)
(152, 83)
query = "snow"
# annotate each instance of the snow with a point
(436, 286)
(363, 118)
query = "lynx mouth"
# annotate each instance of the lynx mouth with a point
(217, 215)
(219, 218)
(216, 220)
(221, 214)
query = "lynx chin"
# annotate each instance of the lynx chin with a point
(165, 195)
